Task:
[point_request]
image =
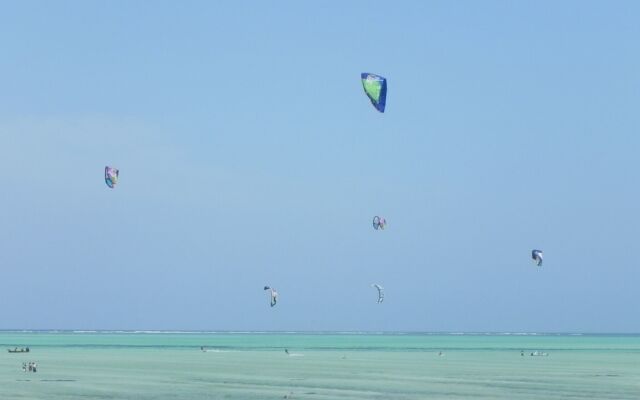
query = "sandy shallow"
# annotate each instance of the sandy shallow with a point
(172, 366)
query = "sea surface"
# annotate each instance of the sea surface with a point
(172, 365)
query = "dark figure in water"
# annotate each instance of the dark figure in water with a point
(286, 351)
(522, 353)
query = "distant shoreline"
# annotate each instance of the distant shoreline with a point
(382, 333)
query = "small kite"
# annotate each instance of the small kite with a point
(375, 87)
(273, 295)
(380, 292)
(536, 255)
(111, 176)
(379, 223)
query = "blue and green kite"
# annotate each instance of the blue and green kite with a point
(375, 87)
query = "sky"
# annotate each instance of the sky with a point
(249, 155)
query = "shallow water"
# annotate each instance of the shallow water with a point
(320, 366)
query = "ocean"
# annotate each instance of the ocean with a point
(252, 365)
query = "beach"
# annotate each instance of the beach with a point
(154, 365)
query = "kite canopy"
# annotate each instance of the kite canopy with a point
(111, 176)
(536, 256)
(380, 292)
(375, 87)
(379, 223)
(273, 295)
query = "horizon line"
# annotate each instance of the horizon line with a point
(292, 332)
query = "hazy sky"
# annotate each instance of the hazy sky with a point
(249, 155)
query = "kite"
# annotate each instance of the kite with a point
(379, 223)
(375, 87)
(274, 295)
(111, 176)
(380, 292)
(536, 255)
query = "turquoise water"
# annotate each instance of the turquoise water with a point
(127, 365)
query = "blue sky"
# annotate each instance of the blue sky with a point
(249, 155)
